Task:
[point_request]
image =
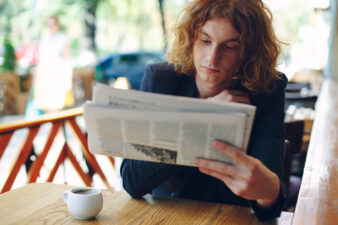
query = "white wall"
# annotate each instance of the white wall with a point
(332, 69)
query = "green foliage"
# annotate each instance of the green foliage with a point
(75, 46)
(123, 25)
(288, 19)
(9, 56)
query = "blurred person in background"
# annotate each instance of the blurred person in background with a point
(52, 82)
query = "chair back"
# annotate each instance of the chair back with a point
(293, 135)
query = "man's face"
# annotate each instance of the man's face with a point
(216, 54)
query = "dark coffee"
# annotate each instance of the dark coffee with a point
(84, 192)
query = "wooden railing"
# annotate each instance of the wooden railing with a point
(59, 121)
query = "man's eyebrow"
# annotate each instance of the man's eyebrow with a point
(229, 40)
(205, 33)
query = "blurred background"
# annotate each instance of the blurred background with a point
(110, 38)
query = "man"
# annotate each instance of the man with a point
(223, 50)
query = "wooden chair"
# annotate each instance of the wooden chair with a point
(293, 134)
(298, 100)
(294, 87)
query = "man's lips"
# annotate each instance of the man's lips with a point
(210, 69)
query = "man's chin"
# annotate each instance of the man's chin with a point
(212, 83)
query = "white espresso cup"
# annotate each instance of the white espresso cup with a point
(83, 202)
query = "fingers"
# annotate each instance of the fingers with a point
(237, 96)
(228, 180)
(219, 167)
(236, 93)
(258, 186)
(248, 177)
(231, 96)
(237, 186)
(239, 99)
(234, 153)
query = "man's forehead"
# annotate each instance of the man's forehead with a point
(227, 39)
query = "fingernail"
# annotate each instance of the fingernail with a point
(219, 143)
(215, 142)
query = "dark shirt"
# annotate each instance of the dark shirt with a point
(266, 144)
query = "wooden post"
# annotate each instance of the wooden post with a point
(332, 65)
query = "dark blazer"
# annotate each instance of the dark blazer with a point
(266, 144)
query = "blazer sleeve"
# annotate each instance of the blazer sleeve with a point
(267, 144)
(140, 177)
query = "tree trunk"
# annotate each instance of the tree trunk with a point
(161, 8)
(89, 44)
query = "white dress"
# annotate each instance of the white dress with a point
(54, 73)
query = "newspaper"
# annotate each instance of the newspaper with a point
(163, 128)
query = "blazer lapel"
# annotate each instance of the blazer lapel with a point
(188, 87)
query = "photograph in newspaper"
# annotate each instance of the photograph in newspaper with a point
(132, 151)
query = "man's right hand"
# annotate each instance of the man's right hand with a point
(231, 96)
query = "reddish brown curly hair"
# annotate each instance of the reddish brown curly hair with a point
(259, 45)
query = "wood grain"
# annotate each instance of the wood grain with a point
(43, 204)
(21, 158)
(50, 117)
(318, 197)
(34, 171)
(58, 119)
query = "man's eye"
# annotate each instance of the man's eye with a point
(205, 41)
(231, 47)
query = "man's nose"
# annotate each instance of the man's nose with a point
(213, 56)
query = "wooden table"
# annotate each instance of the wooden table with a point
(318, 196)
(43, 204)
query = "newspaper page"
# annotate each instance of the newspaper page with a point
(162, 128)
(107, 95)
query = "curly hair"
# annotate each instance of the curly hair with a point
(259, 44)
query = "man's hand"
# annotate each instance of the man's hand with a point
(247, 177)
(231, 96)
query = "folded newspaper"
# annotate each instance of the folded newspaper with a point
(163, 128)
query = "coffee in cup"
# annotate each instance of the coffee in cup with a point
(83, 202)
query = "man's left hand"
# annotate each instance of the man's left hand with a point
(247, 177)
